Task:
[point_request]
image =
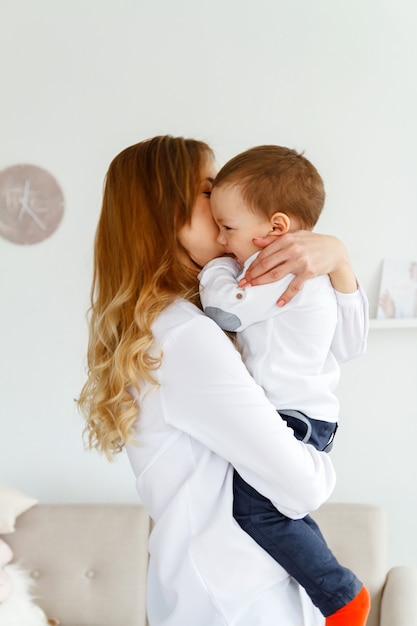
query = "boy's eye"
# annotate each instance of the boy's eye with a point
(227, 228)
(207, 193)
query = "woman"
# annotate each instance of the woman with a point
(165, 382)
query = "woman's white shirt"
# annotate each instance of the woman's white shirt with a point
(206, 416)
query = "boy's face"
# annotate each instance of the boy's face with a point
(237, 222)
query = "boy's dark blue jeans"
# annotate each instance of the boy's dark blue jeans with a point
(297, 545)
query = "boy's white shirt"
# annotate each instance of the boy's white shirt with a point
(292, 351)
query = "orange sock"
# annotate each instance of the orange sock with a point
(354, 613)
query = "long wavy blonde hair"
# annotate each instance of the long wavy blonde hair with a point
(139, 269)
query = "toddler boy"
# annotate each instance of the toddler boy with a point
(288, 350)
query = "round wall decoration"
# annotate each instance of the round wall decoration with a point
(31, 204)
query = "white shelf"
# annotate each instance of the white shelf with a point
(393, 323)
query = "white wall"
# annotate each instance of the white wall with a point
(82, 79)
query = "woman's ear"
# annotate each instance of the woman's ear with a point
(280, 223)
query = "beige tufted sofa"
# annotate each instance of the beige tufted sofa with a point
(89, 561)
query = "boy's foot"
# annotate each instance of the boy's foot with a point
(354, 613)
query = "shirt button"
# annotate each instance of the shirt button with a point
(239, 296)
(90, 573)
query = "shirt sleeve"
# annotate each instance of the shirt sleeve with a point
(351, 335)
(208, 394)
(235, 309)
(231, 307)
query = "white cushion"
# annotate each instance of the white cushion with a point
(12, 504)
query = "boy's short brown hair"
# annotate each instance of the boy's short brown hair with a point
(273, 178)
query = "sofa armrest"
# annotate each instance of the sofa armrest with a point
(399, 597)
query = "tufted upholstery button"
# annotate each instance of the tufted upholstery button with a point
(90, 573)
(35, 574)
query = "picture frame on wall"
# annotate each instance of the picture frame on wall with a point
(398, 289)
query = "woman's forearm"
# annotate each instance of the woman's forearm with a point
(343, 277)
(304, 254)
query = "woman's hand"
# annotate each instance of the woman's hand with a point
(305, 254)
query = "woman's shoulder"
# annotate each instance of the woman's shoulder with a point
(180, 313)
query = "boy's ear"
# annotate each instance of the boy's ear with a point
(280, 223)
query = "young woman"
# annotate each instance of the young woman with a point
(166, 383)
